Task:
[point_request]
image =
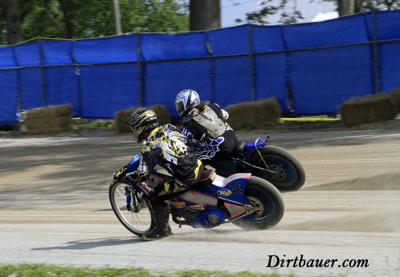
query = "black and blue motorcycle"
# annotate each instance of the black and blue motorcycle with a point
(271, 163)
(241, 199)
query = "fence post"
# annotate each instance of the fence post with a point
(77, 72)
(42, 75)
(251, 62)
(19, 93)
(377, 65)
(212, 69)
(288, 72)
(140, 70)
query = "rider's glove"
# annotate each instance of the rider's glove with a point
(121, 173)
(187, 133)
(212, 148)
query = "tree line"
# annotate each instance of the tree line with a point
(22, 20)
(289, 14)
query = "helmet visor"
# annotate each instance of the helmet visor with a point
(179, 107)
(137, 132)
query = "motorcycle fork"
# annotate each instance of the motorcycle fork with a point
(264, 162)
(266, 168)
(135, 198)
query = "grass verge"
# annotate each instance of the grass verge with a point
(39, 270)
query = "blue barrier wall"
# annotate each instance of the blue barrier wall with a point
(311, 68)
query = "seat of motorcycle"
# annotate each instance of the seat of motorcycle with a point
(239, 147)
(207, 177)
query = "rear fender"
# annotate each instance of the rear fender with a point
(232, 187)
(252, 147)
(231, 191)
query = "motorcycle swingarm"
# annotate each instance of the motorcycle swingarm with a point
(247, 207)
(257, 167)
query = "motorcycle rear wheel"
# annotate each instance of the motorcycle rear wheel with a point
(137, 222)
(290, 174)
(268, 204)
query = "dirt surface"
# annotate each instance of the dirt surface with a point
(54, 207)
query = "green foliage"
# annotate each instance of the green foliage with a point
(289, 14)
(269, 7)
(154, 16)
(73, 19)
(26, 270)
(381, 4)
(36, 270)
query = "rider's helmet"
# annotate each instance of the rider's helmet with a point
(186, 100)
(142, 120)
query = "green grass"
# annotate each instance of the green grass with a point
(39, 270)
(94, 125)
(312, 118)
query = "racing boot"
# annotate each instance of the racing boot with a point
(160, 217)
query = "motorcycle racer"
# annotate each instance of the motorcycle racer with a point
(205, 122)
(167, 147)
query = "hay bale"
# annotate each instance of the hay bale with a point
(256, 114)
(268, 110)
(52, 119)
(240, 115)
(121, 116)
(367, 109)
(395, 95)
(162, 114)
(119, 120)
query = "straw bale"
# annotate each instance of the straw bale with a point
(120, 120)
(268, 110)
(250, 115)
(162, 114)
(367, 109)
(240, 115)
(52, 119)
(122, 127)
(60, 110)
(395, 95)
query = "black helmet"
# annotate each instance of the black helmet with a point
(142, 120)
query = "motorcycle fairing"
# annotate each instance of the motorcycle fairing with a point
(207, 197)
(235, 183)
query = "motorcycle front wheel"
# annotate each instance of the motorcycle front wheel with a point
(136, 218)
(267, 203)
(289, 174)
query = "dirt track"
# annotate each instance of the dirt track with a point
(54, 208)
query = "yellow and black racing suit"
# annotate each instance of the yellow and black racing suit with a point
(168, 148)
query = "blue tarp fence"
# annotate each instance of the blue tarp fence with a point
(311, 68)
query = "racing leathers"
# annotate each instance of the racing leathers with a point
(210, 127)
(168, 148)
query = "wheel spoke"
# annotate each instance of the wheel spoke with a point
(136, 222)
